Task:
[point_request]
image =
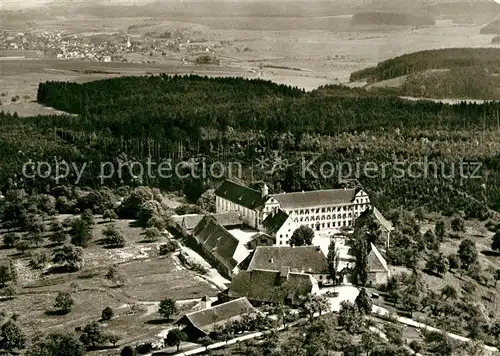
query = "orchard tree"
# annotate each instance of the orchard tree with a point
(110, 215)
(39, 260)
(128, 351)
(303, 236)
(438, 263)
(175, 337)
(88, 217)
(449, 292)
(458, 224)
(349, 317)
(69, 256)
(440, 229)
(10, 239)
(114, 237)
(64, 302)
(5, 275)
(167, 308)
(152, 234)
(81, 232)
(11, 337)
(58, 344)
(431, 241)
(107, 314)
(58, 237)
(467, 253)
(92, 335)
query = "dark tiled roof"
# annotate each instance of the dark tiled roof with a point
(189, 221)
(275, 221)
(207, 319)
(216, 239)
(306, 259)
(315, 198)
(239, 194)
(228, 219)
(262, 238)
(267, 286)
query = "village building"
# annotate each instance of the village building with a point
(301, 259)
(373, 217)
(279, 225)
(264, 286)
(386, 227)
(333, 209)
(379, 272)
(260, 239)
(188, 222)
(201, 323)
(221, 248)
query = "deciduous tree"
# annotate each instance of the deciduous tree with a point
(175, 337)
(58, 344)
(303, 236)
(64, 302)
(467, 253)
(11, 337)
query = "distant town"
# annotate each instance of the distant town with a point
(99, 47)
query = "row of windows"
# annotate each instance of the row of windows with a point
(318, 210)
(326, 217)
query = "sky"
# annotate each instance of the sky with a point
(23, 4)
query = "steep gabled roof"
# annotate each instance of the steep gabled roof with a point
(275, 221)
(315, 198)
(216, 239)
(240, 195)
(304, 259)
(268, 286)
(206, 320)
(376, 263)
(386, 224)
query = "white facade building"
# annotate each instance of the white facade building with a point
(321, 210)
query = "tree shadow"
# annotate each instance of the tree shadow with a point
(57, 270)
(113, 247)
(159, 321)
(432, 273)
(54, 244)
(134, 223)
(101, 347)
(56, 312)
(490, 253)
(145, 241)
(103, 241)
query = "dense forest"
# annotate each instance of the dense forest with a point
(449, 58)
(471, 83)
(391, 19)
(194, 119)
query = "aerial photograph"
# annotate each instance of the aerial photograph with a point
(250, 177)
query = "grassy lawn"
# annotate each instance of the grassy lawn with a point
(146, 279)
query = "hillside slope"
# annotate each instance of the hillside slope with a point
(427, 60)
